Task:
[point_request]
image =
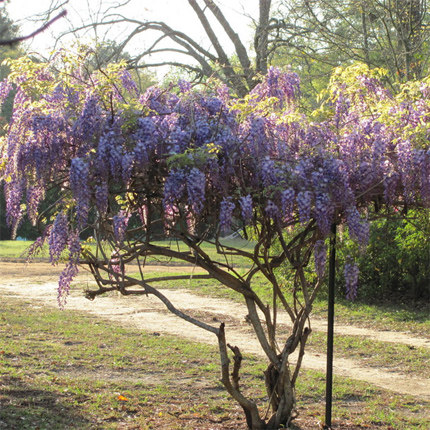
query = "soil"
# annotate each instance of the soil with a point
(38, 282)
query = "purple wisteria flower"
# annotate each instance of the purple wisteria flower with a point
(196, 184)
(358, 227)
(324, 212)
(79, 176)
(35, 194)
(288, 198)
(320, 256)
(102, 197)
(14, 213)
(128, 82)
(304, 202)
(89, 122)
(268, 172)
(351, 272)
(246, 208)
(36, 246)
(5, 89)
(120, 223)
(58, 238)
(174, 187)
(285, 86)
(66, 278)
(226, 214)
(184, 86)
(71, 269)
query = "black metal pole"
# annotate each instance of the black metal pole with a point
(330, 328)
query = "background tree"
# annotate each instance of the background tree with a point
(317, 35)
(237, 69)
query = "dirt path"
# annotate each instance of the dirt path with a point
(39, 282)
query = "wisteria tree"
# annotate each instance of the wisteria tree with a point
(193, 165)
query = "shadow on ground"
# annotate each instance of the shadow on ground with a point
(23, 407)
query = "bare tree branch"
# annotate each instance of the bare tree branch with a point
(20, 39)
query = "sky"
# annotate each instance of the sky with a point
(176, 13)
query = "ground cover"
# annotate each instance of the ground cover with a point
(65, 369)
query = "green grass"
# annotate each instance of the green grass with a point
(67, 370)
(11, 249)
(15, 249)
(372, 353)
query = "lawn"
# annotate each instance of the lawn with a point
(64, 370)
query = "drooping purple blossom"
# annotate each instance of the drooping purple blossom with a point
(110, 155)
(351, 272)
(35, 194)
(71, 269)
(407, 174)
(120, 223)
(158, 100)
(58, 238)
(66, 278)
(79, 176)
(246, 208)
(14, 212)
(174, 187)
(342, 106)
(268, 172)
(184, 86)
(102, 197)
(358, 227)
(89, 123)
(146, 137)
(284, 86)
(288, 198)
(5, 89)
(226, 214)
(126, 167)
(128, 82)
(324, 212)
(320, 256)
(37, 246)
(304, 202)
(196, 184)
